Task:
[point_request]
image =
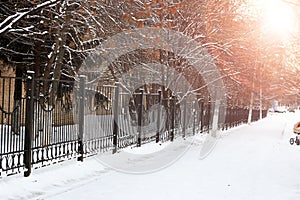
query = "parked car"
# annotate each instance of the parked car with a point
(291, 110)
(279, 109)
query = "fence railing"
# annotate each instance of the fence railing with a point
(40, 126)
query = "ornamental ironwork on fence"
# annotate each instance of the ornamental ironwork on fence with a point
(47, 121)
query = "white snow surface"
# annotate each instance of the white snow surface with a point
(248, 162)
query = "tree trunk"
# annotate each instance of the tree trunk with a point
(51, 87)
(215, 118)
(251, 98)
(260, 94)
(260, 102)
(250, 108)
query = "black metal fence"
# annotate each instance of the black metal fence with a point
(41, 126)
(12, 125)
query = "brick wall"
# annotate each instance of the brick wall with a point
(7, 86)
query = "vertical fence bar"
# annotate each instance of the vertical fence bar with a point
(158, 117)
(10, 142)
(82, 80)
(28, 123)
(2, 136)
(140, 115)
(116, 118)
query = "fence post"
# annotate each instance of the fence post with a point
(140, 115)
(184, 118)
(29, 122)
(116, 118)
(172, 118)
(209, 116)
(201, 115)
(232, 117)
(194, 118)
(82, 80)
(158, 117)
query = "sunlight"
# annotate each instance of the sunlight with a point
(278, 17)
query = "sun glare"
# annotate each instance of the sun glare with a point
(278, 17)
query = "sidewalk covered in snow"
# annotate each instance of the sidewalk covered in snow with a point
(248, 162)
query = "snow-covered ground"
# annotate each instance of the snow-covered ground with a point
(248, 162)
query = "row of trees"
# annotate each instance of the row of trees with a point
(53, 37)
